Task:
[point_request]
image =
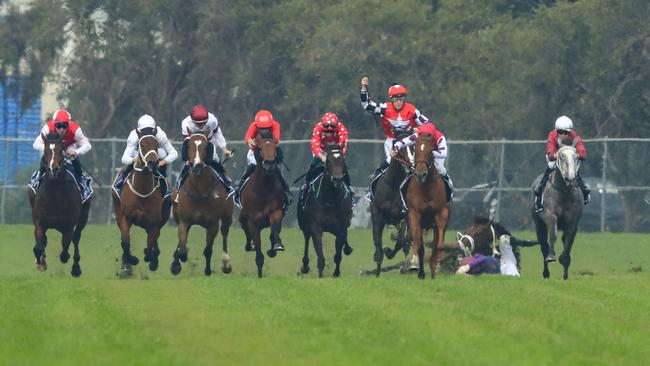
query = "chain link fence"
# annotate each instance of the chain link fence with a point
(491, 178)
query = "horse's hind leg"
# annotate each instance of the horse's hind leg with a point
(249, 243)
(565, 258)
(341, 239)
(128, 260)
(76, 238)
(276, 227)
(151, 252)
(210, 235)
(305, 257)
(226, 267)
(66, 239)
(181, 248)
(39, 246)
(259, 256)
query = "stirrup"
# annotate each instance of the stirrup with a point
(586, 198)
(539, 207)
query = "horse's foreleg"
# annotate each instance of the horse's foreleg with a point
(341, 239)
(276, 227)
(249, 243)
(551, 228)
(377, 233)
(210, 235)
(417, 250)
(226, 267)
(180, 254)
(565, 258)
(66, 239)
(76, 237)
(128, 260)
(305, 257)
(442, 218)
(40, 239)
(317, 238)
(257, 243)
(151, 252)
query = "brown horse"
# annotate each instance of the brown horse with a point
(57, 205)
(426, 201)
(202, 200)
(262, 200)
(141, 202)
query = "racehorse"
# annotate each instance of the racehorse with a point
(327, 207)
(386, 206)
(563, 203)
(142, 203)
(57, 204)
(202, 200)
(262, 199)
(426, 201)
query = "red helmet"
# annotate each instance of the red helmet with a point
(329, 121)
(428, 128)
(199, 114)
(61, 115)
(264, 119)
(396, 90)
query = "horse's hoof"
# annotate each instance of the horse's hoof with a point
(65, 256)
(248, 247)
(389, 253)
(76, 271)
(271, 253)
(421, 275)
(175, 268)
(153, 265)
(347, 250)
(133, 260)
(550, 258)
(304, 269)
(226, 269)
(182, 256)
(337, 274)
(278, 247)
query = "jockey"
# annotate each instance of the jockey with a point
(328, 132)
(263, 122)
(76, 143)
(562, 135)
(166, 151)
(439, 152)
(395, 116)
(200, 120)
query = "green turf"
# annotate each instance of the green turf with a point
(599, 316)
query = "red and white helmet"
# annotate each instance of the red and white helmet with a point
(263, 119)
(428, 128)
(329, 122)
(397, 90)
(199, 114)
(61, 115)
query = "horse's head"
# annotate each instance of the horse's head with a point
(148, 148)
(197, 150)
(268, 153)
(53, 158)
(479, 237)
(568, 165)
(423, 157)
(335, 165)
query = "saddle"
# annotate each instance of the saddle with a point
(85, 185)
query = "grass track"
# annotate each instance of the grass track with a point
(600, 316)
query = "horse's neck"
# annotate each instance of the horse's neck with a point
(558, 181)
(205, 180)
(394, 174)
(142, 180)
(56, 186)
(265, 180)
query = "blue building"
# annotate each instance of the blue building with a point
(16, 155)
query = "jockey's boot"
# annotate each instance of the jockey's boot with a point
(586, 193)
(222, 175)
(540, 189)
(182, 175)
(384, 164)
(78, 174)
(288, 197)
(165, 190)
(121, 178)
(449, 187)
(348, 185)
(250, 168)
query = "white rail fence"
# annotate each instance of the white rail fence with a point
(491, 177)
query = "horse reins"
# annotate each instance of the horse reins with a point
(143, 159)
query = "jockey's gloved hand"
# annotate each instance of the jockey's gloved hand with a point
(226, 153)
(71, 151)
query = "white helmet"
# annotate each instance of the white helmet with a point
(564, 123)
(146, 121)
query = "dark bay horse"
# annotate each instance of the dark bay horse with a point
(141, 202)
(426, 201)
(57, 205)
(202, 200)
(386, 206)
(262, 199)
(563, 203)
(327, 208)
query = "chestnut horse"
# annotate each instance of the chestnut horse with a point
(262, 199)
(57, 205)
(202, 200)
(426, 201)
(327, 207)
(142, 203)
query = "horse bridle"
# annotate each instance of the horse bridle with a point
(470, 239)
(143, 159)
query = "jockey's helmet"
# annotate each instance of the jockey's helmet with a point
(329, 122)
(428, 128)
(199, 114)
(61, 115)
(263, 119)
(396, 91)
(564, 123)
(146, 121)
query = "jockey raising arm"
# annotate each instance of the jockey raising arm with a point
(75, 141)
(166, 151)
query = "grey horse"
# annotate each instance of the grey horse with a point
(563, 204)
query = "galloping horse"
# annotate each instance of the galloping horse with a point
(262, 199)
(386, 206)
(57, 204)
(142, 203)
(202, 200)
(426, 201)
(562, 209)
(327, 207)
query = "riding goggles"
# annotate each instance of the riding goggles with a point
(563, 132)
(329, 126)
(61, 124)
(398, 98)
